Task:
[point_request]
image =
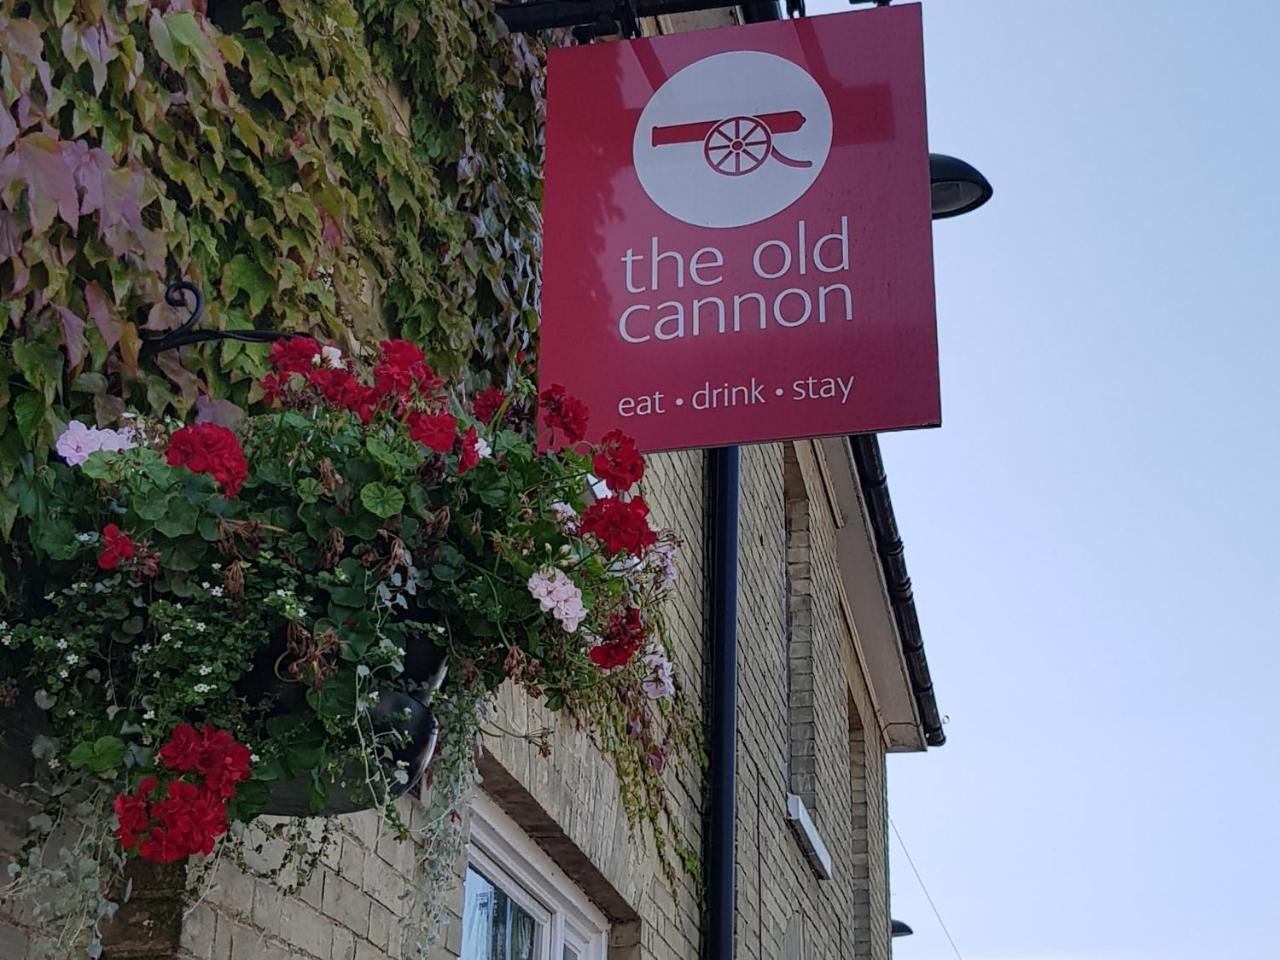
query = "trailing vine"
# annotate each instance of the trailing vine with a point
(348, 168)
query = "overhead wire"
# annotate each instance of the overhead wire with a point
(928, 896)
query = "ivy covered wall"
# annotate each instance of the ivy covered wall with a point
(349, 168)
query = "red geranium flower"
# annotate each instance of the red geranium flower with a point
(622, 638)
(133, 816)
(212, 753)
(334, 384)
(274, 386)
(401, 367)
(488, 402)
(434, 430)
(564, 413)
(116, 546)
(294, 355)
(189, 821)
(223, 762)
(182, 752)
(470, 456)
(341, 388)
(209, 448)
(620, 524)
(617, 461)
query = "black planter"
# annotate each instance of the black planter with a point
(403, 713)
(292, 798)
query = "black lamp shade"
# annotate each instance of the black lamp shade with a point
(956, 187)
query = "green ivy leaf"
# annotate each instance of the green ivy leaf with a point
(8, 514)
(381, 500)
(241, 273)
(41, 364)
(29, 411)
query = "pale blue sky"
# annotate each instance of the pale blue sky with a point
(1093, 532)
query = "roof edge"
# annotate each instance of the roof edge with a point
(874, 484)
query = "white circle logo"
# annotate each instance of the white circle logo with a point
(732, 139)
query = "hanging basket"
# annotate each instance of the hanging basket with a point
(398, 712)
(407, 715)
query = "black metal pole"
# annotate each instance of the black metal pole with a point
(722, 740)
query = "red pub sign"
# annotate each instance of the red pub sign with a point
(737, 232)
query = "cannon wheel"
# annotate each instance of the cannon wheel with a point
(737, 145)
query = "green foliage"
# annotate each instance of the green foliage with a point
(282, 582)
(349, 168)
(100, 756)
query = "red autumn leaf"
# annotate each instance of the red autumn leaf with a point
(102, 313)
(222, 412)
(332, 230)
(37, 165)
(72, 334)
(10, 238)
(8, 129)
(115, 194)
(22, 43)
(109, 191)
(97, 41)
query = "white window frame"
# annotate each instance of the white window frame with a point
(509, 858)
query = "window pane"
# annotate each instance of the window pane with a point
(570, 953)
(493, 926)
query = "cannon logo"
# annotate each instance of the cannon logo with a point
(732, 139)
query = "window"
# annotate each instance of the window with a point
(801, 806)
(496, 926)
(518, 905)
(802, 736)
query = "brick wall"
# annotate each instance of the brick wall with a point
(784, 911)
(789, 605)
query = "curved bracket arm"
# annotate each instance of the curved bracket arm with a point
(177, 296)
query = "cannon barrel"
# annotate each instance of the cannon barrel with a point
(787, 121)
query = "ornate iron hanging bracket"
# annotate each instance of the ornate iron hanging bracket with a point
(596, 18)
(186, 334)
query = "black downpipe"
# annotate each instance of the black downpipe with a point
(722, 738)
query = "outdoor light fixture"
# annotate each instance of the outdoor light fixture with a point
(899, 929)
(957, 187)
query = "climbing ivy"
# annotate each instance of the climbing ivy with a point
(350, 168)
